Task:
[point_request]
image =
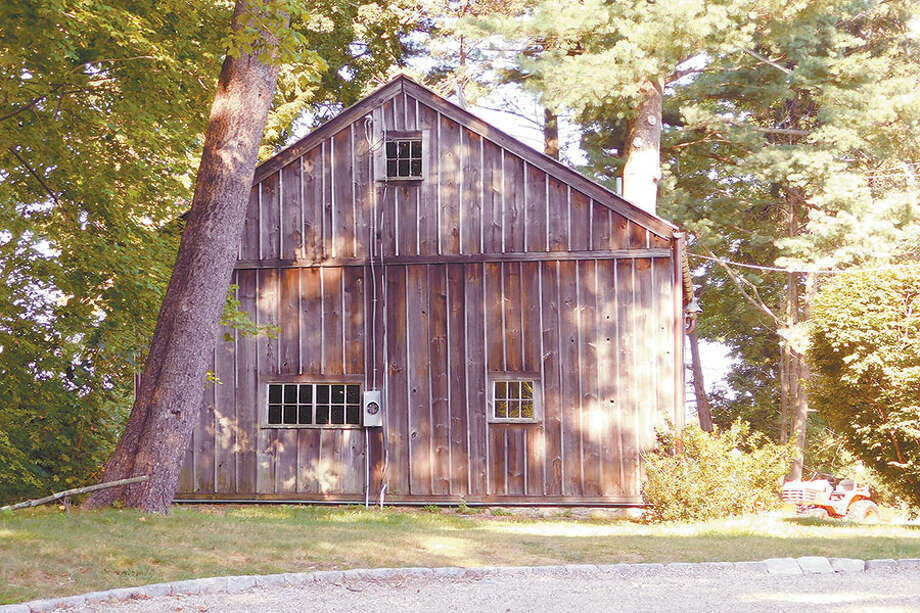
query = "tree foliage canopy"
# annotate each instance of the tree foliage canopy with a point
(865, 357)
(102, 110)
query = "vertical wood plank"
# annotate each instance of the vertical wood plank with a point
(471, 190)
(332, 443)
(247, 407)
(664, 340)
(292, 213)
(516, 452)
(417, 350)
(406, 217)
(531, 335)
(333, 342)
(312, 173)
(626, 318)
(620, 232)
(581, 221)
(354, 320)
(204, 437)
(514, 220)
(569, 392)
(397, 369)
(343, 194)
(363, 186)
(492, 197)
(636, 236)
(267, 366)
(438, 376)
(329, 214)
(558, 206)
(389, 115)
(271, 217)
(451, 175)
(311, 338)
(536, 209)
(225, 406)
(601, 227)
(552, 376)
(645, 353)
(411, 113)
(594, 417)
(608, 392)
(289, 353)
(249, 245)
(428, 214)
(476, 387)
(457, 374)
(511, 298)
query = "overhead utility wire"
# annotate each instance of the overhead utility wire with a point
(788, 270)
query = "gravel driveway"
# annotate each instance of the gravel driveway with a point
(893, 590)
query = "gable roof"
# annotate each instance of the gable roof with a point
(551, 166)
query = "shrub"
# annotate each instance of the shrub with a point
(865, 361)
(694, 475)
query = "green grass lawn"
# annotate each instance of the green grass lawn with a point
(45, 552)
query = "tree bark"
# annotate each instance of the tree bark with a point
(703, 410)
(550, 134)
(801, 393)
(642, 170)
(172, 386)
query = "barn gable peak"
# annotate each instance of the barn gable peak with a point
(402, 84)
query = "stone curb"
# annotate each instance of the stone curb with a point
(239, 583)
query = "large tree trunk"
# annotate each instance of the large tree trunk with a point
(802, 373)
(550, 134)
(173, 382)
(703, 410)
(642, 170)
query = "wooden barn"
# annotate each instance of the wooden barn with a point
(522, 324)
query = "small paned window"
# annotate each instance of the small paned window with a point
(514, 400)
(404, 158)
(314, 404)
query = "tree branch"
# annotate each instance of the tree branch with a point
(34, 174)
(740, 282)
(38, 99)
(767, 60)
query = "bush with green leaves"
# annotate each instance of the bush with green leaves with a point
(694, 475)
(865, 361)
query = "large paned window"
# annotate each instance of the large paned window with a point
(314, 404)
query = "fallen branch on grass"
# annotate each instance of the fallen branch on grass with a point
(73, 492)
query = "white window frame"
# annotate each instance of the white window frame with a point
(508, 377)
(380, 155)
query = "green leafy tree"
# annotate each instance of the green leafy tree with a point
(102, 113)
(865, 358)
(788, 140)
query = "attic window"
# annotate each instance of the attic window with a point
(402, 156)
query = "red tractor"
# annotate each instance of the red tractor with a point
(837, 498)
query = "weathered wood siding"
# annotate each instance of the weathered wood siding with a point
(491, 264)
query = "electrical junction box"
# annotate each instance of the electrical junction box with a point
(373, 409)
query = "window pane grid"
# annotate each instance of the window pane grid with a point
(513, 400)
(309, 404)
(404, 158)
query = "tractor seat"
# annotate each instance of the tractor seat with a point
(846, 485)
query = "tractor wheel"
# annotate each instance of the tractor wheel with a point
(863, 511)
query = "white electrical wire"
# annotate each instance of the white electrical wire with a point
(373, 245)
(815, 271)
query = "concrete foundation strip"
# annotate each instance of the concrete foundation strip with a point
(357, 577)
